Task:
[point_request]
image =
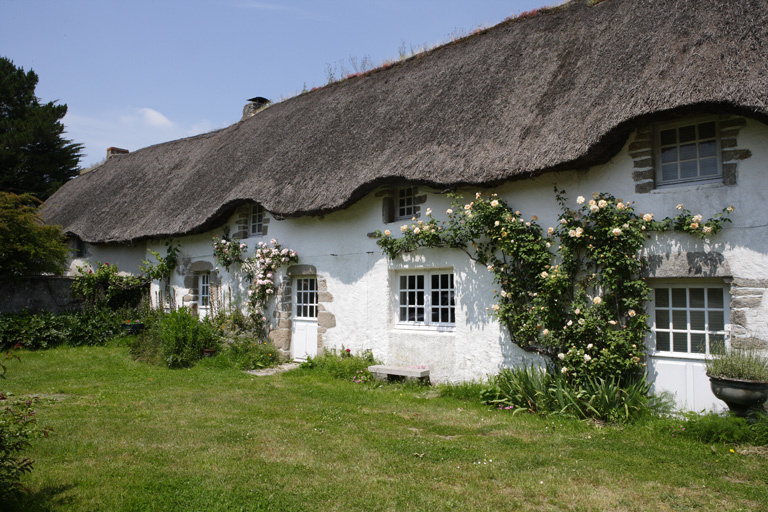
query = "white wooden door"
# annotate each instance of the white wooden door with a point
(304, 325)
(689, 319)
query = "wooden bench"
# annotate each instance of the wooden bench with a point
(383, 372)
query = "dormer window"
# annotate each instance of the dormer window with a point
(687, 152)
(406, 203)
(257, 220)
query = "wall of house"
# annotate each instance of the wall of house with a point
(359, 284)
(128, 258)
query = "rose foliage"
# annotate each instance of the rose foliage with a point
(573, 291)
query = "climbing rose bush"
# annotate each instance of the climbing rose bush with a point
(261, 269)
(572, 291)
(228, 252)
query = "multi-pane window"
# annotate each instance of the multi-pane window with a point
(406, 203)
(426, 298)
(689, 320)
(257, 220)
(205, 290)
(688, 152)
(306, 298)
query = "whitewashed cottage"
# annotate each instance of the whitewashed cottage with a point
(658, 102)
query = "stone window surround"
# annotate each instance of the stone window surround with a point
(191, 272)
(389, 197)
(745, 294)
(281, 334)
(243, 222)
(641, 150)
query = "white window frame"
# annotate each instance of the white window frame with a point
(256, 220)
(204, 290)
(688, 331)
(306, 306)
(405, 203)
(659, 152)
(403, 296)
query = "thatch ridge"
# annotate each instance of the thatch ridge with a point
(561, 89)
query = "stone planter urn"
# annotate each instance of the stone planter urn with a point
(740, 396)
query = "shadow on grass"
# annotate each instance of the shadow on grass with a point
(47, 498)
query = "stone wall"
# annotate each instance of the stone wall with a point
(747, 311)
(37, 293)
(280, 335)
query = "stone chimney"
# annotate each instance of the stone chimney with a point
(253, 106)
(115, 151)
(110, 153)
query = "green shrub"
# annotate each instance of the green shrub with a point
(718, 428)
(182, 336)
(43, 330)
(343, 364)
(249, 353)
(759, 428)
(547, 392)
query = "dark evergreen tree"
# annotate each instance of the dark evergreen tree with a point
(35, 158)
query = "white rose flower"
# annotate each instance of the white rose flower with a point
(580, 200)
(561, 356)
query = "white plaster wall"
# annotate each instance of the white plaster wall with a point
(127, 257)
(361, 279)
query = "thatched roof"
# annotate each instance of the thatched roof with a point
(559, 89)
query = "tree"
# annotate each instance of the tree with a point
(27, 244)
(35, 158)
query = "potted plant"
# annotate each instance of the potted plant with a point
(739, 377)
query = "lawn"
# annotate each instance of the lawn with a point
(128, 436)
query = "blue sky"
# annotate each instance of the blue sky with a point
(136, 73)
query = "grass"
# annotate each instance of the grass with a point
(130, 436)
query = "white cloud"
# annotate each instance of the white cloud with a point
(129, 128)
(154, 118)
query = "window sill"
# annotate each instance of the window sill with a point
(674, 187)
(678, 355)
(450, 329)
